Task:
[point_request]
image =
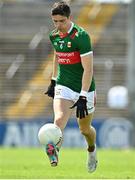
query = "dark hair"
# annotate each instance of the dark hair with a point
(61, 8)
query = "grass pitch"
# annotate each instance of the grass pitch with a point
(32, 163)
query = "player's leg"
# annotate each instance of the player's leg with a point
(89, 132)
(61, 105)
(62, 113)
(61, 116)
(90, 135)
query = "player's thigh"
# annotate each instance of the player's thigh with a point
(85, 123)
(62, 111)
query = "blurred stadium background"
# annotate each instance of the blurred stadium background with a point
(25, 70)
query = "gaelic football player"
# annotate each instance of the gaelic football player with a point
(72, 84)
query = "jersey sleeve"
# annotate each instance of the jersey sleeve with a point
(50, 37)
(51, 40)
(84, 44)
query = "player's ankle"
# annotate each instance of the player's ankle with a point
(57, 148)
(91, 148)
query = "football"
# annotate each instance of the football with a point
(49, 133)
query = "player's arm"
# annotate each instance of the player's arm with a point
(84, 46)
(50, 90)
(55, 65)
(87, 63)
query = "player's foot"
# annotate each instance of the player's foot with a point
(52, 153)
(92, 161)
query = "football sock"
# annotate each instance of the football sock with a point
(91, 148)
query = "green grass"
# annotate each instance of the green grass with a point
(32, 163)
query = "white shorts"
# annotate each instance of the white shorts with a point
(67, 93)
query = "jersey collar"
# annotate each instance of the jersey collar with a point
(72, 24)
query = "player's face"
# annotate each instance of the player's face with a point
(62, 23)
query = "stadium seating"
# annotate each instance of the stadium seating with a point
(22, 96)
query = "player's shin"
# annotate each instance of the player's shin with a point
(59, 144)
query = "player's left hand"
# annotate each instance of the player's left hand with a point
(81, 106)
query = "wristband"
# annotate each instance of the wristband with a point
(54, 78)
(83, 93)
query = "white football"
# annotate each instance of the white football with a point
(49, 133)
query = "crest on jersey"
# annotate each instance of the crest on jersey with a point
(69, 44)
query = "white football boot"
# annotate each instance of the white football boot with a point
(92, 161)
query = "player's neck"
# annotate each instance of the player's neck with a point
(66, 30)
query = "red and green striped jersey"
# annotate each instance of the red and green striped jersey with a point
(69, 48)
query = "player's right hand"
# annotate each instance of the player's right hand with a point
(50, 90)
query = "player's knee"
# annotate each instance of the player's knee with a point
(84, 131)
(59, 122)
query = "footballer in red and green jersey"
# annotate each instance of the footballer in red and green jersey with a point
(69, 48)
